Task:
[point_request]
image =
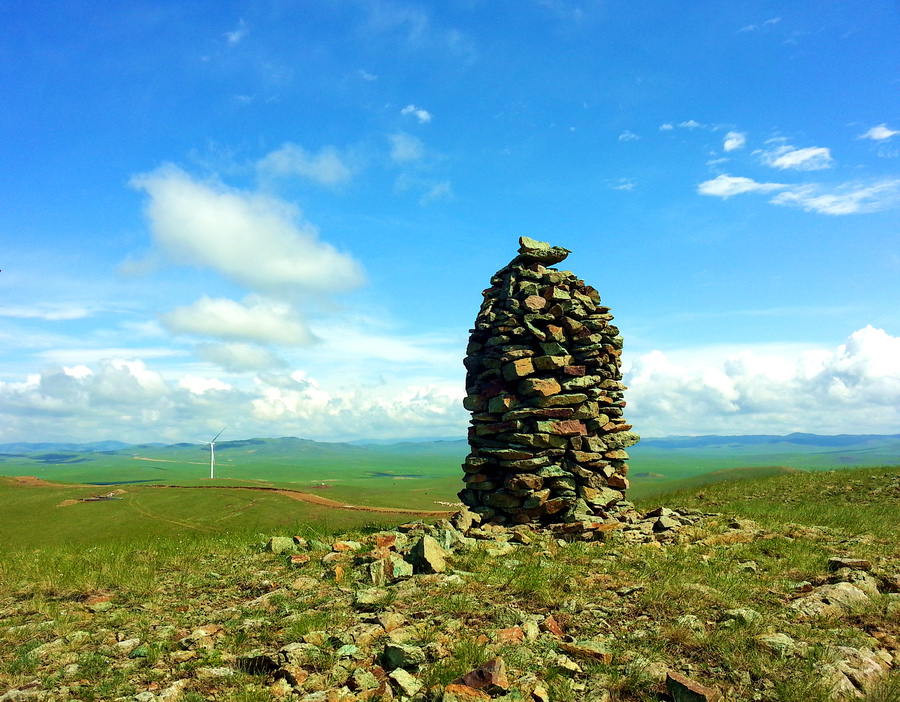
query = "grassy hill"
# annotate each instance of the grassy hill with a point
(170, 605)
(415, 474)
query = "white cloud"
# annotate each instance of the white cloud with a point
(852, 389)
(260, 320)
(691, 124)
(624, 184)
(125, 400)
(848, 199)
(422, 115)
(237, 35)
(198, 386)
(734, 141)
(365, 75)
(628, 136)
(879, 133)
(726, 186)
(327, 167)
(814, 158)
(439, 191)
(50, 313)
(255, 240)
(754, 27)
(238, 357)
(406, 148)
(78, 372)
(666, 127)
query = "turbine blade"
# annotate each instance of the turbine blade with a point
(218, 435)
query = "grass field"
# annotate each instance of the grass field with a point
(655, 606)
(415, 476)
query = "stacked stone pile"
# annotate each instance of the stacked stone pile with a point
(544, 387)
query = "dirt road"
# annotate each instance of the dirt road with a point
(318, 500)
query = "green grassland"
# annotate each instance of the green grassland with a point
(635, 599)
(421, 473)
(416, 476)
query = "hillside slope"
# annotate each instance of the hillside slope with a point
(786, 588)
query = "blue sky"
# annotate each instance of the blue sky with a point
(277, 217)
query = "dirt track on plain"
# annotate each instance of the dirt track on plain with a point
(317, 500)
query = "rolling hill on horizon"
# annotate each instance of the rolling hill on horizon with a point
(706, 441)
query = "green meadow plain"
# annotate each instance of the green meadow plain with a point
(161, 498)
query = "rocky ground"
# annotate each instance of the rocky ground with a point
(680, 605)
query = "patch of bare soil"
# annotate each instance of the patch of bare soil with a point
(67, 503)
(315, 499)
(31, 481)
(323, 501)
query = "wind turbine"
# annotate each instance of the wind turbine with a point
(212, 454)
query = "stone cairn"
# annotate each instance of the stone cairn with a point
(544, 387)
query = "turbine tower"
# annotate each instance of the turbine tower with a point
(212, 454)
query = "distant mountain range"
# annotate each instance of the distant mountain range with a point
(415, 445)
(825, 441)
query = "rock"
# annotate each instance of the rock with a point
(211, 673)
(173, 692)
(427, 556)
(567, 666)
(463, 693)
(490, 677)
(362, 679)
(281, 545)
(127, 646)
(369, 596)
(593, 650)
(398, 655)
(684, 689)
(550, 624)
(408, 685)
(780, 644)
(851, 672)
(741, 615)
(831, 600)
(666, 524)
(689, 621)
(853, 563)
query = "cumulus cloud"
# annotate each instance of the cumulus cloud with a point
(734, 141)
(666, 127)
(628, 136)
(239, 357)
(327, 167)
(726, 186)
(814, 158)
(124, 399)
(406, 148)
(847, 199)
(197, 386)
(879, 133)
(624, 184)
(255, 240)
(422, 115)
(690, 124)
(853, 388)
(259, 320)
